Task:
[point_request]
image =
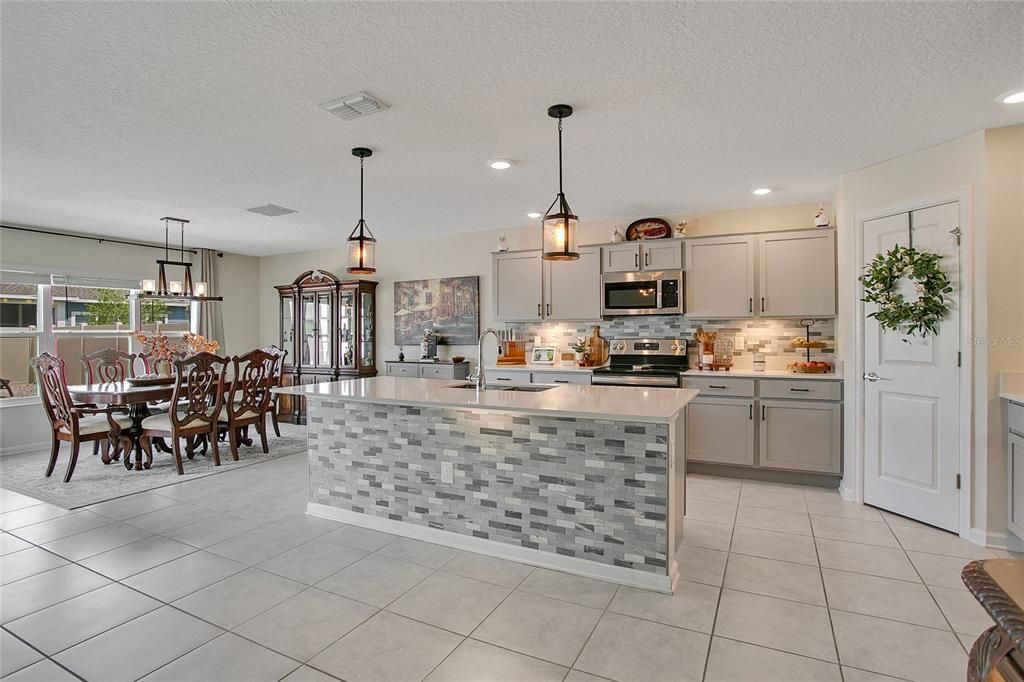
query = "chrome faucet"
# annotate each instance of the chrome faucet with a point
(478, 378)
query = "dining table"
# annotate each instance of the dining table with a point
(137, 399)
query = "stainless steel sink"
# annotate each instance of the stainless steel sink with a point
(532, 388)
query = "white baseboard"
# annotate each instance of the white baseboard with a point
(43, 446)
(993, 540)
(500, 550)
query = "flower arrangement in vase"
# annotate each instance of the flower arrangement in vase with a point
(163, 350)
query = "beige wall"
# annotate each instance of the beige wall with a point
(470, 254)
(987, 166)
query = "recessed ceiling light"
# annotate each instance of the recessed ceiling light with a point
(761, 191)
(500, 164)
(533, 214)
(1015, 96)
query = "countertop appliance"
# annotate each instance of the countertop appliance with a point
(658, 292)
(644, 362)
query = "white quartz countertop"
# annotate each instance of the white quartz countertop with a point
(767, 374)
(619, 403)
(540, 368)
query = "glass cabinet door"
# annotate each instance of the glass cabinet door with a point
(308, 329)
(323, 329)
(366, 313)
(288, 326)
(347, 328)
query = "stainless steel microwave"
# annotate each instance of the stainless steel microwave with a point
(642, 293)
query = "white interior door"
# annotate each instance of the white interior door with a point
(911, 386)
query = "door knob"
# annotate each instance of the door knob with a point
(872, 377)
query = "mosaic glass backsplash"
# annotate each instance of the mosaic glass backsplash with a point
(771, 337)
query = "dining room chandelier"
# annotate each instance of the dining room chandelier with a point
(177, 289)
(361, 243)
(558, 227)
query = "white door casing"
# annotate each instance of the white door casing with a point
(911, 411)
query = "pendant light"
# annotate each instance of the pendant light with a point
(361, 244)
(559, 224)
(185, 288)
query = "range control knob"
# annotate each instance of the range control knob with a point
(676, 346)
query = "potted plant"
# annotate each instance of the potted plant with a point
(580, 349)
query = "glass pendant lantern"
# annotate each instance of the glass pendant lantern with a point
(559, 223)
(361, 243)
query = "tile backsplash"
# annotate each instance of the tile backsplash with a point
(771, 337)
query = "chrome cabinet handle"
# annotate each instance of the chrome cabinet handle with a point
(872, 377)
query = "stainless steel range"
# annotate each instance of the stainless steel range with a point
(644, 362)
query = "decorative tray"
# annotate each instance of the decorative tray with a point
(810, 368)
(809, 344)
(162, 380)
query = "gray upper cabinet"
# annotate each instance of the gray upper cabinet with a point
(658, 254)
(518, 296)
(572, 289)
(797, 274)
(719, 277)
(623, 257)
(654, 254)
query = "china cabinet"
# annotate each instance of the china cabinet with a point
(328, 326)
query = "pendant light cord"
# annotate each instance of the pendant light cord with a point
(560, 157)
(361, 221)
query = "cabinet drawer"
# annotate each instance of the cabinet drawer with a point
(437, 372)
(803, 390)
(561, 378)
(1015, 417)
(400, 369)
(707, 386)
(506, 377)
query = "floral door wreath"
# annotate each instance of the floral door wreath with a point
(917, 317)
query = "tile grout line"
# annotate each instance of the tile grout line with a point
(721, 588)
(828, 609)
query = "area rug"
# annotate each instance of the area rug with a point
(95, 482)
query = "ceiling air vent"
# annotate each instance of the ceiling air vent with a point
(352, 106)
(271, 210)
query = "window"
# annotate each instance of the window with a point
(71, 317)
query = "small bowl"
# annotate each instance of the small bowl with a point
(458, 358)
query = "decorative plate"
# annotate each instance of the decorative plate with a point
(648, 228)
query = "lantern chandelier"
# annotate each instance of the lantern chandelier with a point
(184, 288)
(361, 243)
(558, 227)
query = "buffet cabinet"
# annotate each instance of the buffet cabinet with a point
(328, 327)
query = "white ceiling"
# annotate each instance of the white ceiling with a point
(114, 114)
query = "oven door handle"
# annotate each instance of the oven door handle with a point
(633, 380)
(657, 300)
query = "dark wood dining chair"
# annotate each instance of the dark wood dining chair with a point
(199, 395)
(75, 424)
(249, 399)
(107, 365)
(279, 358)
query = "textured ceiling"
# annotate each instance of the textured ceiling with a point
(114, 114)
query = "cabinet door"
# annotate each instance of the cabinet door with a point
(402, 369)
(572, 289)
(621, 257)
(323, 330)
(658, 255)
(797, 274)
(288, 326)
(308, 326)
(347, 327)
(517, 286)
(719, 277)
(1015, 469)
(720, 430)
(801, 436)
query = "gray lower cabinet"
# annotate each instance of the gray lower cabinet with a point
(720, 431)
(781, 424)
(800, 435)
(428, 370)
(1015, 467)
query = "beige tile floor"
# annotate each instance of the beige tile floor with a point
(226, 578)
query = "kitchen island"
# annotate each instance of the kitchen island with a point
(584, 479)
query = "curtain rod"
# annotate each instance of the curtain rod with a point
(100, 240)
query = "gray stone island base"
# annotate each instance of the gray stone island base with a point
(590, 496)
